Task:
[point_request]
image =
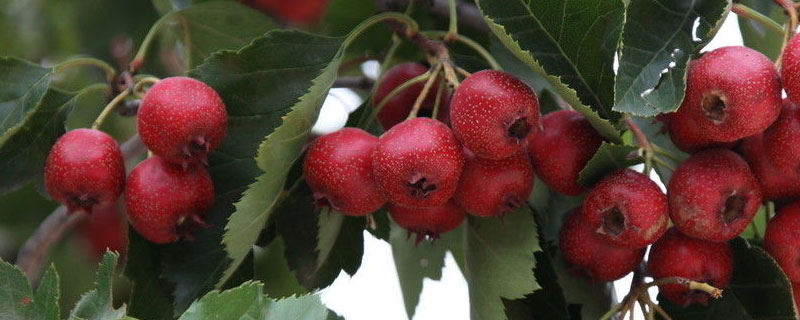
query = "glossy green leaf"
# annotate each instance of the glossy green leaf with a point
(608, 158)
(757, 36)
(97, 304)
(658, 40)
(248, 302)
(273, 270)
(574, 41)
(499, 256)
(19, 302)
(150, 298)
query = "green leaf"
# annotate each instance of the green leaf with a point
(150, 298)
(608, 158)
(248, 302)
(574, 41)
(499, 257)
(758, 290)
(276, 83)
(657, 41)
(97, 304)
(755, 35)
(17, 300)
(272, 269)
(215, 25)
(654, 130)
(21, 112)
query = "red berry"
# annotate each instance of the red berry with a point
(592, 255)
(182, 120)
(493, 113)
(302, 12)
(166, 202)
(397, 108)
(491, 188)
(775, 184)
(796, 294)
(713, 196)
(780, 141)
(689, 138)
(84, 169)
(731, 93)
(627, 208)
(428, 222)
(562, 149)
(790, 69)
(105, 229)
(782, 240)
(417, 163)
(338, 169)
(676, 255)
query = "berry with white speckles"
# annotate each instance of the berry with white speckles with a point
(628, 209)
(165, 201)
(782, 240)
(428, 222)
(731, 93)
(790, 69)
(677, 255)
(418, 163)
(338, 168)
(493, 114)
(780, 141)
(182, 119)
(397, 108)
(492, 188)
(775, 183)
(84, 169)
(591, 255)
(562, 149)
(689, 138)
(713, 195)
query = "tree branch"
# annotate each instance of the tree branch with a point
(32, 256)
(468, 14)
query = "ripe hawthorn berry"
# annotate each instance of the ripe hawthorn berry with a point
(492, 188)
(300, 12)
(397, 108)
(782, 240)
(428, 222)
(84, 169)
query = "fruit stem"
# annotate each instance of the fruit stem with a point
(452, 30)
(438, 100)
(110, 106)
(138, 89)
(477, 47)
(87, 61)
(639, 293)
(141, 55)
(396, 20)
(663, 163)
(644, 145)
(463, 72)
(391, 94)
(749, 13)
(791, 11)
(424, 92)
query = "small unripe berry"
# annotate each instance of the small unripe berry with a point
(397, 108)
(782, 240)
(165, 201)
(418, 163)
(493, 114)
(562, 149)
(713, 195)
(428, 222)
(592, 255)
(338, 168)
(676, 255)
(84, 169)
(182, 119)
(627, 208)
(492, 188)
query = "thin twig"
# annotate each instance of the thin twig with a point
(424, 92)
(468, 14)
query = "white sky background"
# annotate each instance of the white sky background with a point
(374, 291)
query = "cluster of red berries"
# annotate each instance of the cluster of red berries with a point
(167, 195)
(432, 174)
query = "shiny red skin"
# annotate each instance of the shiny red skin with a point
(492, 188)
(641, 205)
(780, 141)
(484, 108)
(775, 183)
(84, 169)
(338, 168)
(591, 255)
(166, 202)
(562, 149)
(677, 255)
(418, 163)
(700, 189)
(782, 240)
(300, 12)
(105, 229)
(748, 84)
(397, 108)
(428, 222)
(689, 137)
(182, 119)
(790, 69)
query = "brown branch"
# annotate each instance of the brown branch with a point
(468, 14)
(356, 82)
(32, 256)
